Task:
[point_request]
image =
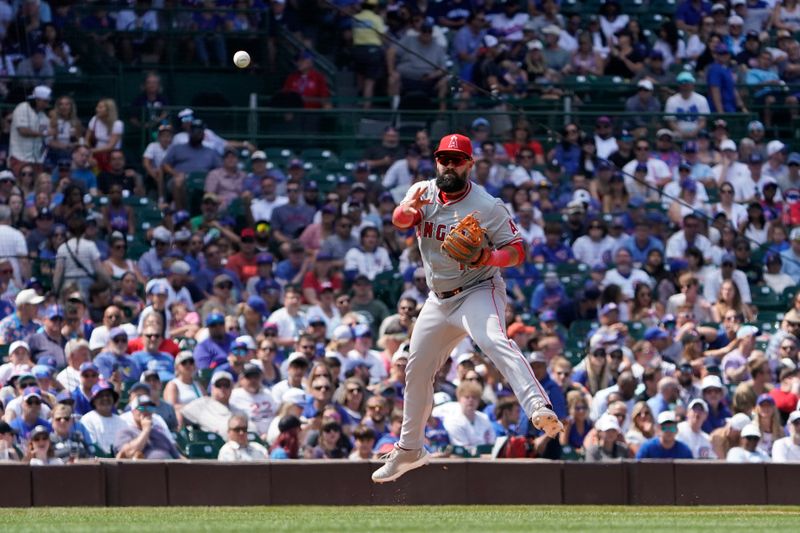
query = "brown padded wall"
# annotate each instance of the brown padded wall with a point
(80, 485)
(127, 483)
(514, 482)
(595, 483)
(443, 482)
(132, 483)
(712, 483)
(16, 480)
(651, 483)
(213, 483)
(783, 484)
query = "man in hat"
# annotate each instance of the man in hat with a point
(748, 450)
(50, 341)
(665, 445)
(790, 256)
(226, 181)
(114, 363)
(461, 295)
(689, 106)
(143, 439)
(243, 263)
(183, 158)
(213, 351)
(690, 431)
(102, 423)
(22, 322)
(253, 398)
(29, 127)
(787, 449)
(308, 82)
(212, 412)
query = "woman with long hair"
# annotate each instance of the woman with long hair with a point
(127, 296)
(643, 426)
(645, 308)
(730, 298)
(755, 228)
(352, 396)
(323, 274)
(117, 265)
(579, 424)
(786, 16)
(65, 130)
(116, 215)
(585, 61)
(670, 44)
(768, 418)
(72, 205)
(104, 133)
(696, 44)
(615, 198)
(596, 374)
(688, 202)
(587, 160)
(17, 206)
(183, 388)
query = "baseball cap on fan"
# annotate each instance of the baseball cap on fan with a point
(454, 143)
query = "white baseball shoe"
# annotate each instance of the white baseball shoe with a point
(398, 462)
(546, 420)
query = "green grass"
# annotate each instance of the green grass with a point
(404, 519)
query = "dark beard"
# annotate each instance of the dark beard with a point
(449, 181)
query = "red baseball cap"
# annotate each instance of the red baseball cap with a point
(455, 142)
(248, 232)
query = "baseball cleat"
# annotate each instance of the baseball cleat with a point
(546, 420)
(398, 462)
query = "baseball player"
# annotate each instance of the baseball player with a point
(465, 237)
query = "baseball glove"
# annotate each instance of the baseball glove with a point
(546, 420)
(466, 243)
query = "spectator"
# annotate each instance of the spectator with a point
(102, 423)
(227, 181)
(308, 82)
(76, 353)
(666, 445)
(691, 434)
(287, 443)
(144, 440)
(748, 451)
(69, 439)
(50, 341)
(690, 108)
(213, 412)
(465, 425)
(40, 451)
(787, 449)
(30, 418)
(721, 84)
(609, 447)
(151, 358)
(239, 448)
(290, 219)
(184, 158)
(104, 132)
(253, 398)
(29, 127)
(20, 324)
(82, 393)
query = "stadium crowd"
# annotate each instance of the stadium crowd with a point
(270, 318)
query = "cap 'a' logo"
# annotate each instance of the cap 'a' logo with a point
(453, 142)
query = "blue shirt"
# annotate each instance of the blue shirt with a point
(558, 255)
(689, 14)
(544, 298)
(716, 420)
(639, 255)
(107, 362)
(652, 449)
(211, 354)
(160, 362)
(722, 77)
(556, 396)
(24, 430)
(83, 403)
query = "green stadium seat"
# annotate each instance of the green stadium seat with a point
(388, 287)
(765, 299)
(636, 330)
(201, 450)
(788, 296)
(580, 328)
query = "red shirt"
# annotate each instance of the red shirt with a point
(312, 86)
(243, 267)
(512, 149)
(786, 402)
(310, 281)
(167, 346)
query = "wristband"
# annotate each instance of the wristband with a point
(402, 219)
(499, 258)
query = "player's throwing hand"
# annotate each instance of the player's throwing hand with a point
(408, 211)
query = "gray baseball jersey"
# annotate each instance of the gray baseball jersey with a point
(443, 273)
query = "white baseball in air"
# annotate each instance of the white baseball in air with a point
(241, 59)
